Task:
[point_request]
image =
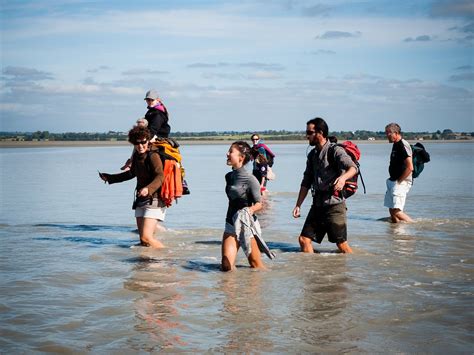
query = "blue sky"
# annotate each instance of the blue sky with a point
(84, 65)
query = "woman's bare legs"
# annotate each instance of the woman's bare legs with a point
(255, 257)
(230, 247)
(146, 229)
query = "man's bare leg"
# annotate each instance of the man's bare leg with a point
(306, 244)
(344, 247)
(399, 216)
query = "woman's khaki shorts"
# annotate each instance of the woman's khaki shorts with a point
(157, 210)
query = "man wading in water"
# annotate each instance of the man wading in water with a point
(328, 212)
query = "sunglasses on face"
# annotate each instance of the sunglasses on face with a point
(141, 142)
(310, 133)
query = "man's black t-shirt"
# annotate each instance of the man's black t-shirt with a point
(400, 151)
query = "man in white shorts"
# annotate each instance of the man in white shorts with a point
(400, 170)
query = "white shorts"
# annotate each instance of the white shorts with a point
(396, 194)
(152, 211)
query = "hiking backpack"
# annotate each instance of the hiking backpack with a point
(168, 150)
(420, 157)
(351, 185)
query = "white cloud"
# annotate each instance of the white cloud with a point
(263, 75)
(26, 74)
(143, 71)
(423, 38)
(338, 35)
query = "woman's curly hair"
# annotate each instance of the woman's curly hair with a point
(137, 134)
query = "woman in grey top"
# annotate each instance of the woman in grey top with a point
(243, 191)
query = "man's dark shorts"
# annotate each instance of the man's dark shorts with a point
(326, 219)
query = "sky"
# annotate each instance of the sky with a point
(85, 65)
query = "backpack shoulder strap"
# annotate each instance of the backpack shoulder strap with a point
(332, 155)
(148, 158)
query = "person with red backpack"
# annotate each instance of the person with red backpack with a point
(326, 177)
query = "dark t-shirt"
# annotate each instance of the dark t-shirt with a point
(400, 151)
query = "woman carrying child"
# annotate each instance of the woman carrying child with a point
(148, 169)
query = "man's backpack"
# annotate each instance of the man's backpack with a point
(350, 188)
(420, 157)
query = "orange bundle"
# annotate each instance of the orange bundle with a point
(172, 187)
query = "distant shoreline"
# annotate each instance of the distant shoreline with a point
(52, 144)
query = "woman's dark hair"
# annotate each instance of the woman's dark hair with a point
(244, 149)
(254, 135)
(320, 125)
(138, 134)
(332, 139)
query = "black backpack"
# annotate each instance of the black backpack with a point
(420, 157)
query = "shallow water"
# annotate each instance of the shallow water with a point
(73, 278)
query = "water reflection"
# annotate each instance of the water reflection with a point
(243, 318)
(320, 312)
(266, 216)
(156, 308)
(402, 239)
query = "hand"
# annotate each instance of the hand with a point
(127, 165)
(339, 184)
(104, 176)
(143, 192)
(296, 212)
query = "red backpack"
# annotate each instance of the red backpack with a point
(353, 151)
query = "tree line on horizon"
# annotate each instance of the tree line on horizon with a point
(446, 134)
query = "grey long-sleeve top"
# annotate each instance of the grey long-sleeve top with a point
(242, 189)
